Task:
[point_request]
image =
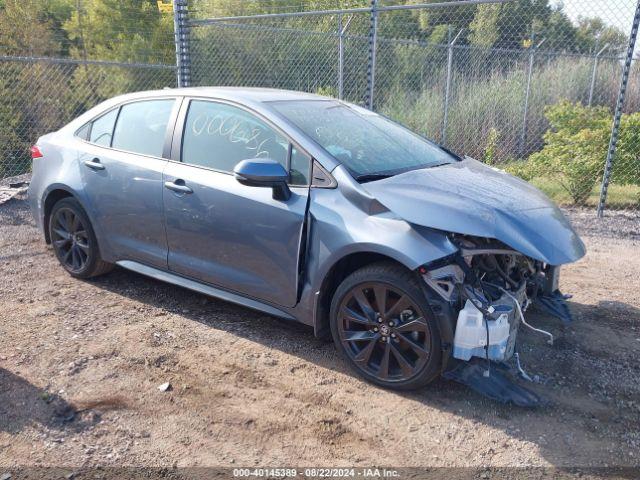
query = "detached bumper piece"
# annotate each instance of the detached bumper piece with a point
(555, 304)
(499, 385)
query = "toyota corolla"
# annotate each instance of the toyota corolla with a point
(417, 261)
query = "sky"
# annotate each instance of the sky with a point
(618, 13)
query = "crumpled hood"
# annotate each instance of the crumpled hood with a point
(471, 198)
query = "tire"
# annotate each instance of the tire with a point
(399, 349)
(74, 241)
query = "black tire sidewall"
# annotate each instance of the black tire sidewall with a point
(402, 279)
(94, 255)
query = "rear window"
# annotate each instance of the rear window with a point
(142, 126)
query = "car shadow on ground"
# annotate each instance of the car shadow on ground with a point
(22, 404)
(563, 405)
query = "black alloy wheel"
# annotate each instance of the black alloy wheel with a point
(74, 241)
(385, 329)
(70, 240)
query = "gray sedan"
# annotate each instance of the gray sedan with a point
(418, 262)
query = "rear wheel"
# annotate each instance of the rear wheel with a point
(382, 324)
(74, 240)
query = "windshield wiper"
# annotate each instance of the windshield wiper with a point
(370, 177)
(453, 154)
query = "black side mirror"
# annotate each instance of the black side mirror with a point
(264, 172)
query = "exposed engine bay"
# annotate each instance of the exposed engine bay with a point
(489, 287)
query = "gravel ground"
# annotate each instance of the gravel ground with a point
(81, 363)
(614, 224)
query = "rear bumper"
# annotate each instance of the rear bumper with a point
(35, 204)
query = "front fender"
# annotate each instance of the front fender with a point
(338, 229)
(409, 245)
(348, 220)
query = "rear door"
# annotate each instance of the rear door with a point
(122, 163)
(224, 233)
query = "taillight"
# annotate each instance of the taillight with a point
(35, 152)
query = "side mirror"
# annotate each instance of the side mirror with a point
(264, 172)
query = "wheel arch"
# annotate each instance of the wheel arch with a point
(53, 195)
(337, 272)
(349, 263)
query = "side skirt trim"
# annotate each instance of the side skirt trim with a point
(202, 288)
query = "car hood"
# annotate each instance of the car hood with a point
(471, 198)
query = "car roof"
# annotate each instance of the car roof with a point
(239, 94)
(257, 99)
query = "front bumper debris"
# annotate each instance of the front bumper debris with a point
(498, 385)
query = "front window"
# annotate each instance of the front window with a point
(219, 136)
(369, 145)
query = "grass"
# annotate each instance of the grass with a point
(479, 106)
(618, 196)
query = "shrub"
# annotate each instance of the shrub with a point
(525, 169)
(575, 147)
(626, 164)
(491, 148)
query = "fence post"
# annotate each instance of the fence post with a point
(447, 88)
(593, 73)
(341, 32)
(182, 40)
(340, 58)
(525, 114)
(613, 140)
(371, 66)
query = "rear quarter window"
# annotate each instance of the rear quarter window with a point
(83, 131)
(102, 128)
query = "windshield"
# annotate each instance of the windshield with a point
(369, 145)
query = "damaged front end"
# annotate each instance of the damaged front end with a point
(484, 291)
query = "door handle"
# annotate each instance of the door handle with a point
(178, 186)
(94, 164)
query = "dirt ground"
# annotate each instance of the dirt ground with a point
(250, 390)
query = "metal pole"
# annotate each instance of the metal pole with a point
(447, 88)
(340, 58)
(341, 32)
(181, 36)
(593, 73)
(525, 114)
(618, 111)
(371, 67)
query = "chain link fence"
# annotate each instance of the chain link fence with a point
(39, 95)
(529, 86)
(58, 59)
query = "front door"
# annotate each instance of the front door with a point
(224, 233)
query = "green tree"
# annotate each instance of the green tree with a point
(484, 26)
(31, 92)
(27, 28)
(593, 33)
(121, 30)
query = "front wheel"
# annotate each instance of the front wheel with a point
(74, 240)
(382, 325)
